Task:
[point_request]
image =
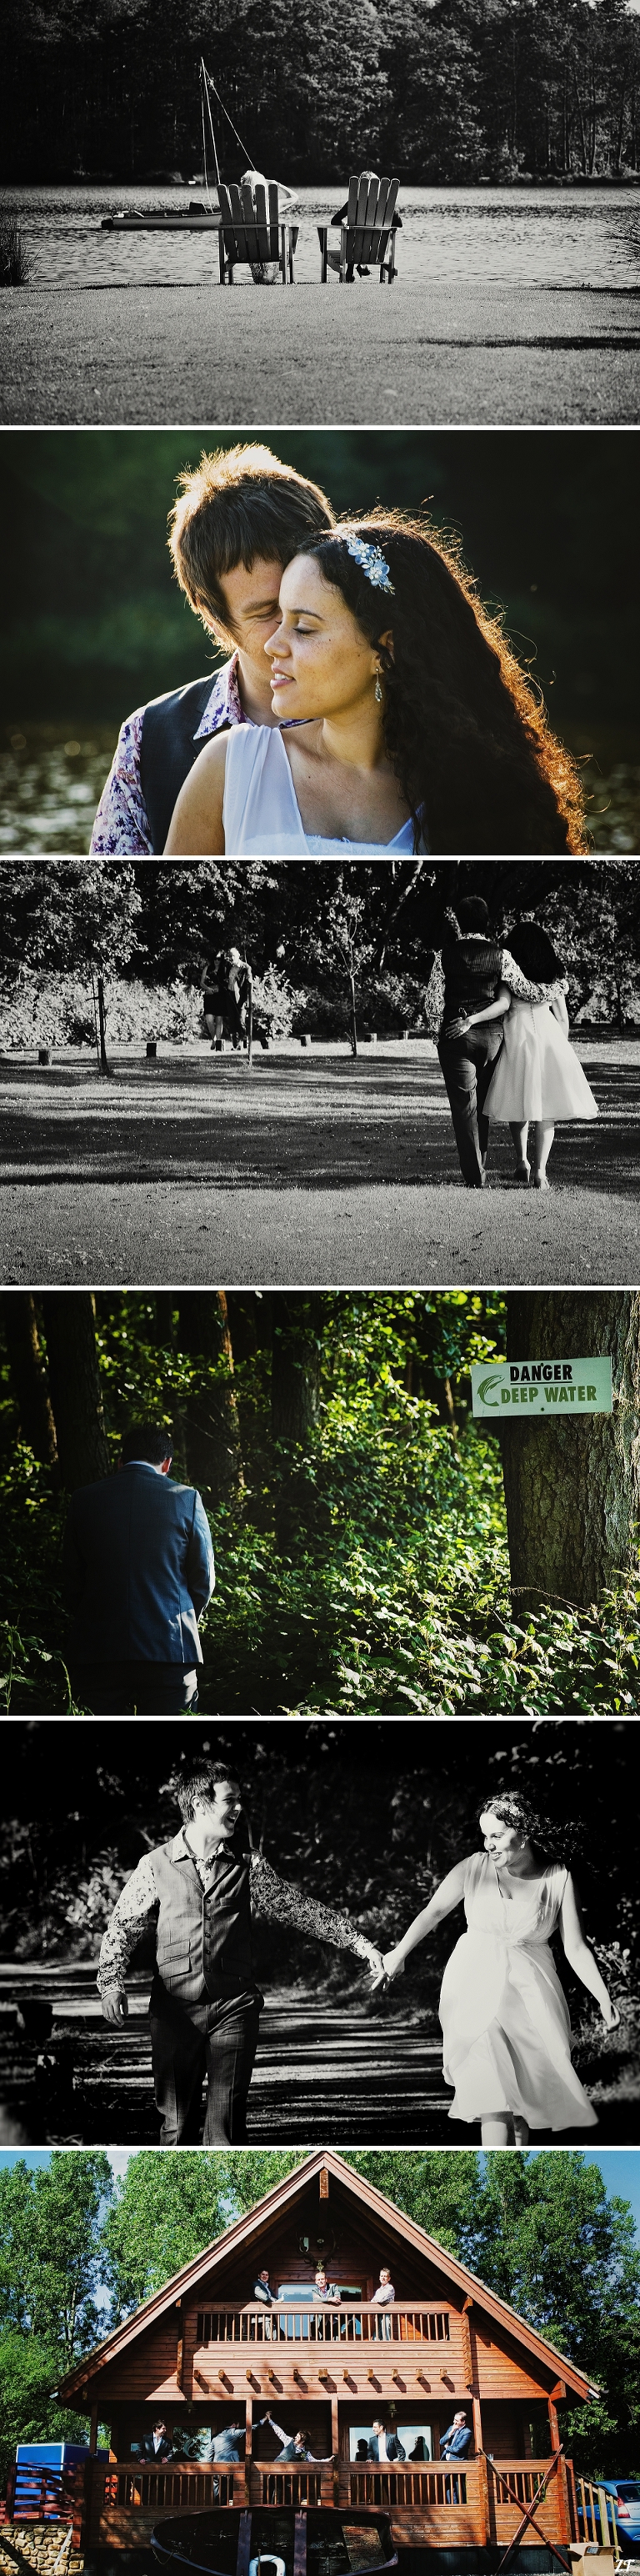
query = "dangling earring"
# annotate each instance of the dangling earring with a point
(378, 691)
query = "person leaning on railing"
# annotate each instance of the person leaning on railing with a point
(383, 2297)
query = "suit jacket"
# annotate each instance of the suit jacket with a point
(455, 2442)
(224, 2447)
(394, 2448)
(164, 2452)
(138, 1569)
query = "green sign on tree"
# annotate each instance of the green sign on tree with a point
(555, 1388)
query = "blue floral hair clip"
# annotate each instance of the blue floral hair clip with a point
(372, 562)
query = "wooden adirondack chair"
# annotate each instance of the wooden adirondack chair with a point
(366, 236)
(254, 235)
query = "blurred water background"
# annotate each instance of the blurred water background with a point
(50, 781)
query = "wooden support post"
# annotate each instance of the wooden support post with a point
(248, 2448)
(335, 2446)
(93, 2429)
(244, 2545)
(478, 2442)
(553, 2425)
(300, 2545)
(484, 2533)
(324, 2183)
(180, 2347)
(467, 2362)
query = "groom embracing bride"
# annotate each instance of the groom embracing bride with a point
(503, 1043)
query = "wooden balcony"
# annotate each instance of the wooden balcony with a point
(357, 2323)
(117, 2505)
(289, 2352)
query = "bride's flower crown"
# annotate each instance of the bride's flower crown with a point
(372, 562)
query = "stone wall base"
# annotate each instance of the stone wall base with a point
(31, 2549)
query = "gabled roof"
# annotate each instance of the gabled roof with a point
(277, 2201)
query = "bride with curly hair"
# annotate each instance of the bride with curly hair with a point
(507, 2033)
(405, 721)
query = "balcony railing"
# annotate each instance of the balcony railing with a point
(398, 2484)
(271, 2484)
(330, 2323)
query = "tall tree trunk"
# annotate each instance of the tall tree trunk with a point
(296, 1362)
(573, 1487)
(36, 1425)
(69, 1319)
(209, 1415)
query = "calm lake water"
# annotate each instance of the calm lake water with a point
(532, 236)
(50, 783)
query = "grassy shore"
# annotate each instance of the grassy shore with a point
(420, 352)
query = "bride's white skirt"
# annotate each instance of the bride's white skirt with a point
(507, 2035)
(537, 1074)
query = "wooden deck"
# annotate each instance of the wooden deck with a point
(325, 2073)
(479, 2505)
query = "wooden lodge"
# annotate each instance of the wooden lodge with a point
(202, 2353)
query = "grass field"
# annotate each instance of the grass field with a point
(312, 1168)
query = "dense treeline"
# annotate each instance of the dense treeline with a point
(148, 926)
(441, 90)
(358, 1512)
(80, 2249)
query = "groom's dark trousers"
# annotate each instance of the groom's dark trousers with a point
(467, 1064)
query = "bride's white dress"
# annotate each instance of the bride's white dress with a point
(505, 2020)
(537, 1074)
(260, 810)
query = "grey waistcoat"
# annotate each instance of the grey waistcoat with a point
(203, 1943)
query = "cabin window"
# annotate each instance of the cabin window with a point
(416, 2440)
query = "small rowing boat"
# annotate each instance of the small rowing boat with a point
(194, 218)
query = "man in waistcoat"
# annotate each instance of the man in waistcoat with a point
(239, 519)
(138, 1571)
(473, 968)
(193, 1894)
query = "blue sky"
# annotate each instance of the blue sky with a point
(619, 2166)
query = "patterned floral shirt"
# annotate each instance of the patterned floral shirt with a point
(136, 1907)
(509, 974)
(121, 829)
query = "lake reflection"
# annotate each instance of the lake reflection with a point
(546, 237)
(50, 784)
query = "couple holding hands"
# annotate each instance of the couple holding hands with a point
(505, 2020)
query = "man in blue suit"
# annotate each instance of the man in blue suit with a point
(454, 2445)
(138, 1572)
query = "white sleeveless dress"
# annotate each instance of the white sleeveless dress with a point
(537, 1074)
(260, 810)
(505, 2020)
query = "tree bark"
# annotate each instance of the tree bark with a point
(69, 1319)
(572, 1488)
(209, 1415)
(36, 1425)
(296, 1362)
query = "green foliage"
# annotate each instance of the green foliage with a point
(390, 1591)
(167, 2209)
(50, 2221)
(29, 2371)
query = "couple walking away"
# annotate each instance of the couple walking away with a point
(506, 2024)
(504, 1045)
(368, 702)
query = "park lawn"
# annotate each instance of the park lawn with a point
(380, 1234)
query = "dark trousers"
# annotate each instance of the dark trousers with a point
(124, 1690)
(218, 2040)
(467, 1064)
